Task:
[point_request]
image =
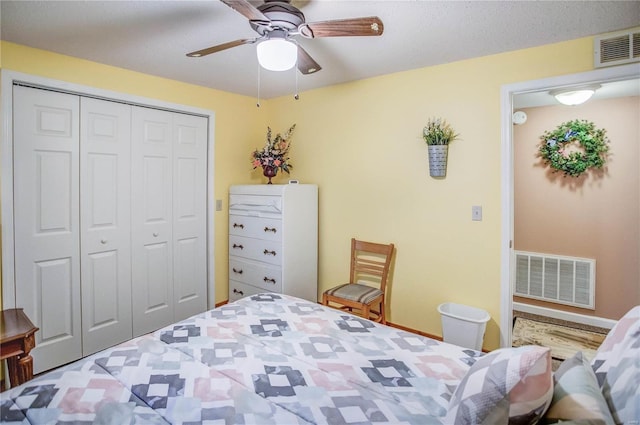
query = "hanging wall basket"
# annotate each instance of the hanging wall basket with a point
(438, 160)
(437, 134)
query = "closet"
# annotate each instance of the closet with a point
(110, 204)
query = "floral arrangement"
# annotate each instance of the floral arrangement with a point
(275, 151)
(438, 132)
(559, 151)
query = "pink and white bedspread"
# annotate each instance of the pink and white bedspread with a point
(266, 359)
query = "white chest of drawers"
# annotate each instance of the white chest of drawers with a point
(273, 240)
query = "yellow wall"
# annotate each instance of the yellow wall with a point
(360, 142)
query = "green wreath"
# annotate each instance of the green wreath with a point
(593, 143)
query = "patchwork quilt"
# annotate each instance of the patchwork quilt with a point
(265, 359)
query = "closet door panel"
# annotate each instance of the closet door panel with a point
(158, 290)
(105, 194)
(189, 215)
(46, 221)
(152, 218)
(55, 281)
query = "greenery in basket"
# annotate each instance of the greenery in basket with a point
(438, 132)
(275, 151)
(574, 147)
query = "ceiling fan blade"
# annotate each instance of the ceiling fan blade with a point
(219, 47)
(246, 9)
(369, 26)
(306, 64)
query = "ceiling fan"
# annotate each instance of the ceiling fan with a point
(278, 20)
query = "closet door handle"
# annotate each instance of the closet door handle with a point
(266, 279)
(238, 225)
(270, 229)
(235, 291)
(239, 271)
(267, 252)
(238, 246)
(155, 234)
(103, 241)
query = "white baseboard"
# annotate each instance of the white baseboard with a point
(600, 322)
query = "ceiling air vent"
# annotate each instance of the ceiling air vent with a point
(617, 48)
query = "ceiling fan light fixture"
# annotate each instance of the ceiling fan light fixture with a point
(575, 95)
(277, 54)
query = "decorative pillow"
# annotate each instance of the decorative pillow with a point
(617, 368)
(576, 394)
(507, 385)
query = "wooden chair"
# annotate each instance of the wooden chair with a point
(367, 283)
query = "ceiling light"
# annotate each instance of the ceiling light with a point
(277, 54)
(574, 95)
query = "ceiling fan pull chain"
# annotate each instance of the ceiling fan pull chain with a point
(295, 71)
(258, 104)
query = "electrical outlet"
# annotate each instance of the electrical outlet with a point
(476, 213)
(218, 204)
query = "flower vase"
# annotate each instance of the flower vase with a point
(438, 160)
(269, 171)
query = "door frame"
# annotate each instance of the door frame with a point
(615, 73)
(6, 163)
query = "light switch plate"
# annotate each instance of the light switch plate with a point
(476, 213)
(218, 204)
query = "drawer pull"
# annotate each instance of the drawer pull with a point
(235, 291)
(238, 225)
(267, 252)
(266, 279)
(239, 271)
(238, 246)
(270, 229)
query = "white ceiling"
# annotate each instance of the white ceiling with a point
(153, 37)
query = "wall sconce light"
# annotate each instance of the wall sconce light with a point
(277, 53)
(575, 95)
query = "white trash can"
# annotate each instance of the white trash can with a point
(463, 325)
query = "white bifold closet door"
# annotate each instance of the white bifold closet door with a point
(189, 215)
(105, 205)
(47, 222)
(168, 217)
(110, 227)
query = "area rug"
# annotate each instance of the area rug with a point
(564, 341)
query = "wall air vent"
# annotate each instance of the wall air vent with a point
(554, 278)
(617, 48)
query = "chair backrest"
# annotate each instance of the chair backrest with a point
(370, 263)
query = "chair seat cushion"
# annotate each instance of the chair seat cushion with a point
(355, 292)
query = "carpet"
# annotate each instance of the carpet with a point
(564, 341)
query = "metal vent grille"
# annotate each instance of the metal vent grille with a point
(558, 279)
(617, 48)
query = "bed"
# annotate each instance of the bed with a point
(275, 359)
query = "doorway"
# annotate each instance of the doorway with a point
(509, 96)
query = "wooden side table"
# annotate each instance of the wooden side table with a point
(17, 338)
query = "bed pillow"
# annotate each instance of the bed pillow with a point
(576, 395)
(617, 368)
(507, 385)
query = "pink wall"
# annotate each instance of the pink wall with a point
(588, 216)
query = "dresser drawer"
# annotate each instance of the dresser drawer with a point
(262, 276)
(256, 249)
(255, 227)
(239, 290)
(254, 204)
